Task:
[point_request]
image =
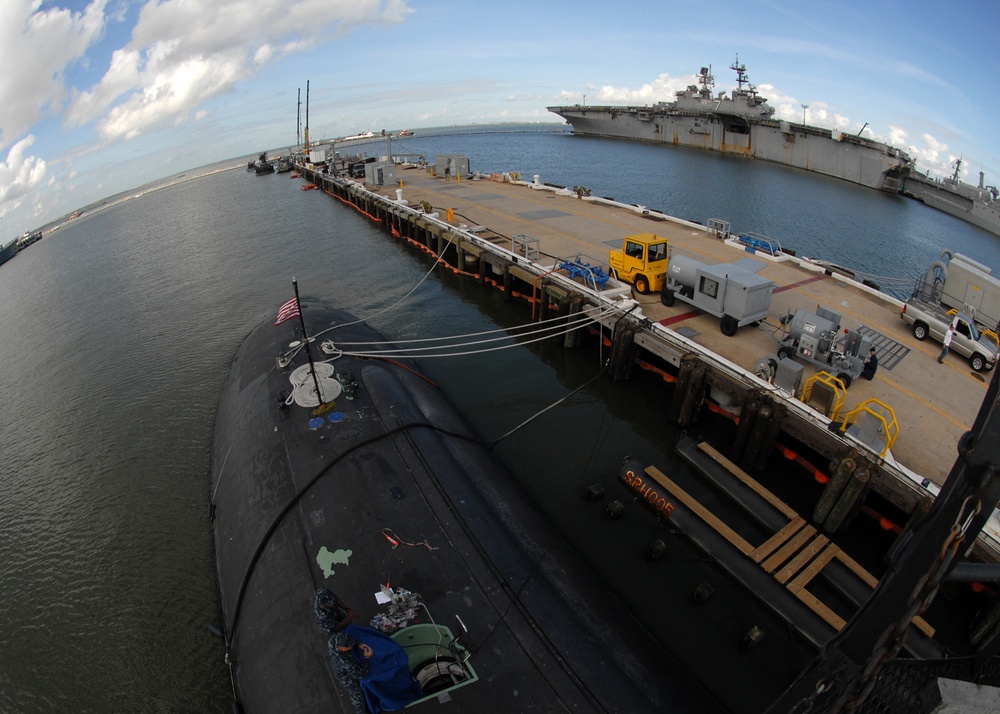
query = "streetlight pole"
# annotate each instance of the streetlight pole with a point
(804, 107)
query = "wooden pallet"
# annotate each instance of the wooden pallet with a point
(793, 555)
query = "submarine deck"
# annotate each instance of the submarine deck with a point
(391, 489)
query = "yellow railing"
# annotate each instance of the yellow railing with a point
(875, 409)
(836, 385)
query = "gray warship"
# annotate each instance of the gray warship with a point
(743, 124)
(978, 205)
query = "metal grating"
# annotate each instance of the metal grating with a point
(889, 352)
(545, 213)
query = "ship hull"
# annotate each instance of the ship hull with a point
(850, 158)
(983, 214)
(7, 252)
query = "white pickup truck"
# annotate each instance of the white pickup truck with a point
(932, 321)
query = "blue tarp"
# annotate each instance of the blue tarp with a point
(389, 685)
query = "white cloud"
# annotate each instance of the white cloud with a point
(20, 174)
(31, 83)
(897, 135)
(183, 52)
(661, 89)
(932, 156)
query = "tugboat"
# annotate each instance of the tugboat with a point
(339, 468)
(262, 165)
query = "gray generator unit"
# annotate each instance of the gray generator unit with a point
(451, 165)
(380, 174)
(816, 337)
(736, 295)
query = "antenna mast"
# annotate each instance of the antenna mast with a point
(307, 118)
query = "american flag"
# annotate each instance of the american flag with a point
(287, 311)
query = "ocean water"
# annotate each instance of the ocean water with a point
(116, 332)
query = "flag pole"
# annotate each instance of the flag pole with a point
(305, 338)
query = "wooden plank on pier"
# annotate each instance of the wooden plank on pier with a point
(698, 509)
(811, 570)
(743, 476)
(772, 543)
(855, 567)
(805, 555)
(780, 547)
(814, 604)
(799, 561)
(788, 549)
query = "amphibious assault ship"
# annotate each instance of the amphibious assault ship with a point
(978, 205)
(743, 124)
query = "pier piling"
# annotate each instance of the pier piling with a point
(841, 474)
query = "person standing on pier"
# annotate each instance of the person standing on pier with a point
(950, 333)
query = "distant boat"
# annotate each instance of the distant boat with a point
(262, 165)
(365, 135)
(29, 238)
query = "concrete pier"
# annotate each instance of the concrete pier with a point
(515, 234)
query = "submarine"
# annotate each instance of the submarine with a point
(337, 467)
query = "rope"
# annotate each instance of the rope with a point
(537, 414)
(396, 541)
(545, 333)
(505, 330)
(236, 433)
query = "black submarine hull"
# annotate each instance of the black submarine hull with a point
(389, 487)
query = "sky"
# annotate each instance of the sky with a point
(101, 97)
